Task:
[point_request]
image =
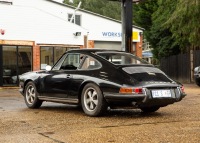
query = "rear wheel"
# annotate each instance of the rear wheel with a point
(92, 100)
(149, 109)
(31, 96)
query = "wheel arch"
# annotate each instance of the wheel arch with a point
(25, 83)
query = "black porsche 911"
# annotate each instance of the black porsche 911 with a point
(98, 79)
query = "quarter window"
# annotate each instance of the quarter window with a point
(90, 63)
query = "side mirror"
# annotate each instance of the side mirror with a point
(48, 68)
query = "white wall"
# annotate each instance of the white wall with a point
(100, 29)
(26, 23)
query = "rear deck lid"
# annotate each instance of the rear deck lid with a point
(146, 74)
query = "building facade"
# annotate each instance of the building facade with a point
(36, 33)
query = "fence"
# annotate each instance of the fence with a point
(196, 58)
(178, 67)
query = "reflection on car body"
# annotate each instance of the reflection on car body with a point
(98, 79)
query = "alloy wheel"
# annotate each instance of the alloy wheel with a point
(91, 99)
(30, 94)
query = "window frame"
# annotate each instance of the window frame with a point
(85, 58)
(111, 54)
(69, 18)
(64, 57)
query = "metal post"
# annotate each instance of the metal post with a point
(17, 64)
(127, 25)
(191, 65)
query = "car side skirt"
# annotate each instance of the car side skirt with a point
(59, 100)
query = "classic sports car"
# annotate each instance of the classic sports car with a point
(98, 79)
(197, 75)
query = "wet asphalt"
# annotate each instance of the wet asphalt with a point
(60, 123)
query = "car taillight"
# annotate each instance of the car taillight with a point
(126, 90)
(131, 90)
(138, 90)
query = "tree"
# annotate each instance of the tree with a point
(104, 7)
(152, 15)
(142, 14)
(184, 23)
(164, 44)
(170, 26)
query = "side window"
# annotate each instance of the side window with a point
(71, 62)
(90, 63)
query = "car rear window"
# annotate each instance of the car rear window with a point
(121, 58)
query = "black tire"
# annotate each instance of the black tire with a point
(31, 96)
(197, 82)
(149, 109)
(92, 100)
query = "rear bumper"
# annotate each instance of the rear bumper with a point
(144, 100)
(110, 96)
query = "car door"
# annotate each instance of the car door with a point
(57, 82)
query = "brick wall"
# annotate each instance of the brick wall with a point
(36, 58)
(90, 44)
(139, 47)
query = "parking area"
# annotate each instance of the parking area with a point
(60, 123)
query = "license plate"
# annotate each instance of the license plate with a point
(161, 93)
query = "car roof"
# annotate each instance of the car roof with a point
(91, 50)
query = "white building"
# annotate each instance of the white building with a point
(101, 30)
(34, 33)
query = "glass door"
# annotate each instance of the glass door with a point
(24, 59)
(16, 61)
(9, 65)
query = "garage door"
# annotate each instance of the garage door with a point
(107, 45)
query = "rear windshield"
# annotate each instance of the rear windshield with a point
(120, 58)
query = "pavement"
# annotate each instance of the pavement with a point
(60, 123)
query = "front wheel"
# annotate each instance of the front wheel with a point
(31, 96)
(149, 109)
(92, 100)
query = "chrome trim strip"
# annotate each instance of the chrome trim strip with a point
(123, 96)
(61, 100)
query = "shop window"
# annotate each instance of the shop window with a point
(24, 59)
(76, 17)
(58, 52)
(50, 55)
(46, 56)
